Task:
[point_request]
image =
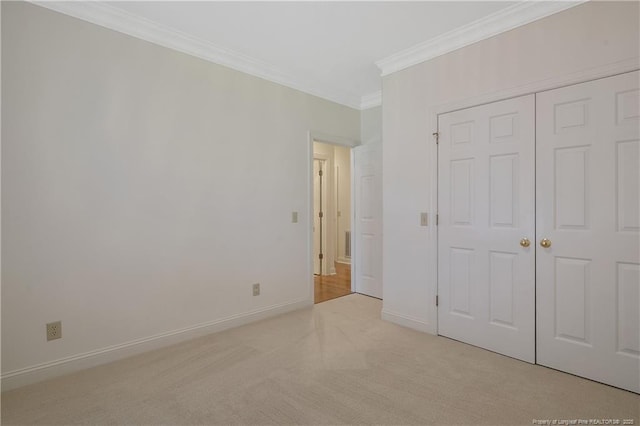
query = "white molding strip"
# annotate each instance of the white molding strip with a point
(113, 18)
(506, 19)
(48, 370)
(315, 136)
(405, 321)
(371, 100)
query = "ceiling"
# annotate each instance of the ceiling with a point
(329, 49)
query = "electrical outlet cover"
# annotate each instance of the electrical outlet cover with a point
(54, 330)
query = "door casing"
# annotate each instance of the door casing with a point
(312, 137)
(583, 78)
(431, 118)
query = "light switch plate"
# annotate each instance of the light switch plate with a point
(294, 217)
(424, 219)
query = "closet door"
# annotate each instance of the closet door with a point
(486, 219)
(588, 258)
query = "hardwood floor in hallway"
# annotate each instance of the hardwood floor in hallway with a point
(329, 287)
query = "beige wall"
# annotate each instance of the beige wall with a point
(143, 192)
(594, 35)
(371, 125)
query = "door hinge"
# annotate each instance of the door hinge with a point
(321, 214)
(436, 135)
(437, 219)
(436, 300)
(321, 256)
(320, 172)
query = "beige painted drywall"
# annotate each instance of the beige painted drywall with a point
(143, 190)
(589, 36)
(371, 125)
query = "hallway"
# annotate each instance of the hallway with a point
(329, 287)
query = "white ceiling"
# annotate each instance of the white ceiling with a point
(329, 49)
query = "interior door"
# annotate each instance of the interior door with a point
(367, 250)
(318, 212)
(486, 282)
(588, 276)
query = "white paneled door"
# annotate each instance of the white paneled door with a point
(486, 231)
(367, 174)
(580, 270)
(588, 199)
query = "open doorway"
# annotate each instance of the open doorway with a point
(331, 221)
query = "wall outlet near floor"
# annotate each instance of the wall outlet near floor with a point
(54, 330)
(256, 289)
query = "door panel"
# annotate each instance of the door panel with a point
(486, 206)
(367, 248)
(319, 230)
(587, 185)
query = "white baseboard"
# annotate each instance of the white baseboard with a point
(49, 370)
(345, 260)
(409, 322)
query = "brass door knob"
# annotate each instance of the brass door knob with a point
(546, 243)
(525, 242)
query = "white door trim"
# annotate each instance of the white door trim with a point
(432, 114)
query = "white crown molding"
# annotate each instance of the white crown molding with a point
(506, 19)
(116, 19)
(371, 100)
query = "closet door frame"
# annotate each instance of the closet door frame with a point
(432, 114)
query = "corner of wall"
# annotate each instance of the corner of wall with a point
(409, 322)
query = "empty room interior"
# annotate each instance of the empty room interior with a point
(278, 213)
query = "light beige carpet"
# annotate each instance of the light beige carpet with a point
(336, 363)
